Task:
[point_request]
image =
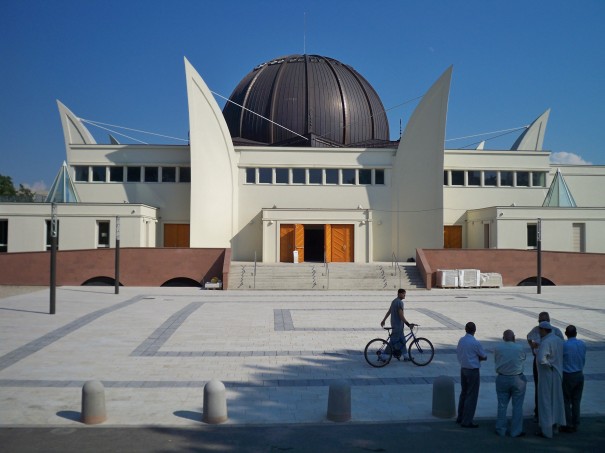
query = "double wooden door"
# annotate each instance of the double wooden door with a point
(338, 242)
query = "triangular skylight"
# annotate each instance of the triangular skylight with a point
(559, 194)
(62, 190)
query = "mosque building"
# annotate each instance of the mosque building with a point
(299, 166)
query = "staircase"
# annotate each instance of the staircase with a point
(315, 276)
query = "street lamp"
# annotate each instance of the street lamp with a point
(117, 264)
(53, 257)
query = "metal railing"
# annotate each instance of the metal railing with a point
(254, 274)
(327, 271)
(395, 263)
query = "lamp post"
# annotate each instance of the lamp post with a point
(117, 254)
(539, 245)
(53, 258)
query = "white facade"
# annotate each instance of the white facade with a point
(389, 201)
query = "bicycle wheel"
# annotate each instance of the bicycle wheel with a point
(421, 351)
(378, 353)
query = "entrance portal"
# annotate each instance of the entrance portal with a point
(314, 243)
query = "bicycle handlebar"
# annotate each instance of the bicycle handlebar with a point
(389, 327)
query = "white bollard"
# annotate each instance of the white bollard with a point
(93, 403)
(444, 401)
(215, 402)
(339, 402)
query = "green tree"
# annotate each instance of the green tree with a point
(6, 186)
(24, 194)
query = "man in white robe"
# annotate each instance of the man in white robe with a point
(549, 359)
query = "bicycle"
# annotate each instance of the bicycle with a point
(379, 352)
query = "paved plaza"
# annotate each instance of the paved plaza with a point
(277, 353)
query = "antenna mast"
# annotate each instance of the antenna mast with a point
(304, 33)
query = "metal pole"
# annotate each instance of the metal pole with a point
(117, 265)
(539, 244)
(53, 258)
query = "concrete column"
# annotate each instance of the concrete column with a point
(339, 402)
(444, 401)
(93, 403)
(215, 402)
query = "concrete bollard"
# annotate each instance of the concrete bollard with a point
(339, 402)
(444, 402)
(215, 402)
(93, 403)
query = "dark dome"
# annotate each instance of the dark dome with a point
(317, 97)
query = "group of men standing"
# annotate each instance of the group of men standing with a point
(557, 368)
(557, 371)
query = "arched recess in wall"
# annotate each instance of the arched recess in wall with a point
(100, 281)
(533, 281)
(181, 282)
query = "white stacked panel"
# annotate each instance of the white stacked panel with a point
(447, 278)
(468, 278)
(491, 279)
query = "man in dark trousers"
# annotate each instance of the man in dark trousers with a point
(470, 355)
(574, 358)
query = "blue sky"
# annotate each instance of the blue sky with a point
(121, 62)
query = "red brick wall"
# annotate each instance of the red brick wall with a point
(138, 266)
(562, 268)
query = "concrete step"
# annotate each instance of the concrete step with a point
(315, 276)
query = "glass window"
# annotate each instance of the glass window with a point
(445, 178)
(168, 174)
(532, 235)
(281, 175)
(3, 236)
(348, 176)
(331, 176)
(81, 173)
(152, 174)
(457, 178)
(314, 176)
(116, 174)
(133, 174)
(48, 225)
(298, 176)
(538, 179)
(474, 177)
(184, 174)
(250, 175)
(103, 234)
(506, 178)
(522, 179)
(378, 176)
(98, 174)
(365, 177)
(265, 175)
(490, 178)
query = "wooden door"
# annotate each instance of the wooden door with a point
(328, 242)
(286, 243)
(452, 236)
(342, 243)
(176, 235)
(299, 241)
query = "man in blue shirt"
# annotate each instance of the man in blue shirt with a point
(574, 358)
(470, 355)
(510, 383)
(395, 311)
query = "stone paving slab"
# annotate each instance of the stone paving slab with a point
(277, 352)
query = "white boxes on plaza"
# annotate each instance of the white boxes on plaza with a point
(491, 280)
(447, 278)
(468, 278)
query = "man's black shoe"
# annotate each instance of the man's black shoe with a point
(472, 425)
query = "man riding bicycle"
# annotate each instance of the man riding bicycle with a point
(397, 340)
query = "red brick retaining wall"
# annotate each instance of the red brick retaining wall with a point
(138, 266)
(562, 268)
